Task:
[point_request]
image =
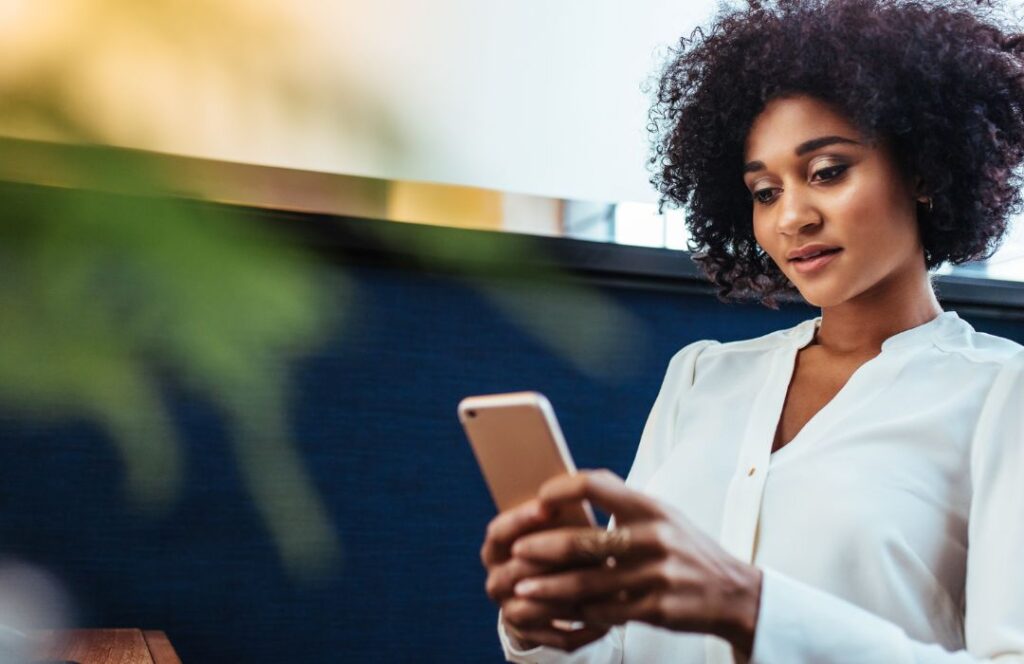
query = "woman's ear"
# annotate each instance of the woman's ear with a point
(921, 195)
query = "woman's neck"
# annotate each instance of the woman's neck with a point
(861, 324)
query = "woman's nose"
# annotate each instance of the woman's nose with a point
(797, 212)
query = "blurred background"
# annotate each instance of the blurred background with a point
(228, 379)
(523, 106)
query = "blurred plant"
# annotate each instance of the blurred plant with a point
(103, 298)
(103, 295)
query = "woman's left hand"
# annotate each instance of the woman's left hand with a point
(658, 567)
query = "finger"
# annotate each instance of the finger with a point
(560, 547)
(604, 489)
(507, 526)
(524, 613)
(647, 608)
(503, 577)
(566, 547)
(579, 586)
(561, 639)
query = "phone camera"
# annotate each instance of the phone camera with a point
(471, 413)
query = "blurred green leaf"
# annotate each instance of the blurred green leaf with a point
(104, 295)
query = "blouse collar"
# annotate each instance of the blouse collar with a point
(948, 323)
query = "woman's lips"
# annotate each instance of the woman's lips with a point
(809, 265)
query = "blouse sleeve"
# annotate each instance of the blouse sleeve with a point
(799, 624)
(655, 444)
(658, 437)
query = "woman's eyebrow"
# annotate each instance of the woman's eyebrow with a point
(816, 143)
(802, 149)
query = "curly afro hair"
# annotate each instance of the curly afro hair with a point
(943, 83)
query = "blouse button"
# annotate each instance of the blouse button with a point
(753, 469)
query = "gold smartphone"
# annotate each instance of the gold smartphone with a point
(519, 446)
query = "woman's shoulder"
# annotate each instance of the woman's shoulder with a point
(997, 436)
(963, 341)
(792, 336)
(712, 356)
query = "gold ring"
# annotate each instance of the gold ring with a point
(618, 542)
(603, 546)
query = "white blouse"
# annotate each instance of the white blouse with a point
(861, 523)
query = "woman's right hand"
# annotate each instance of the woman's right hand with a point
(504, 571)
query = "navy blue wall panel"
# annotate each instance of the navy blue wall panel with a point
(374, 415)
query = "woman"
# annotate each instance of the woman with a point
(850, 489)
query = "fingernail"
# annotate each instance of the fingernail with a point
(518, 549)
(526, 587)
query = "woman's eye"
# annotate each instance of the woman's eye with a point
(764, 196)
(829, 172)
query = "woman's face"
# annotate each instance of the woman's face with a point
(831, 209)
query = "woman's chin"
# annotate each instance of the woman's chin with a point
(820, 296)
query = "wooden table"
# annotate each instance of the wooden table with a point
(108, 646)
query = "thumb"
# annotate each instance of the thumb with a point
(604, 489)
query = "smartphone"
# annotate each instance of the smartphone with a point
(519, 446)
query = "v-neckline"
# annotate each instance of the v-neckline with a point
(821, 413)
(803, 335)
